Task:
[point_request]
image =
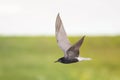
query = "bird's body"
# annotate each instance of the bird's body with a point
(67, 61)
(71, 52)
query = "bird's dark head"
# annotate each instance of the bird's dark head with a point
(59, 60)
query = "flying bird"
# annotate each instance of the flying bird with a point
(71, 52)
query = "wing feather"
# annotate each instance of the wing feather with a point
(73, 51)
(61, 36)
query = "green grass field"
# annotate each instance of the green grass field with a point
(32, 58)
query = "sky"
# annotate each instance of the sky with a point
(80, 17)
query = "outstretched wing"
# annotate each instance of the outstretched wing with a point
(61, 36)
(73, 51)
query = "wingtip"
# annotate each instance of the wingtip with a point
(58, 15)
(83, 37)
(58, 19)
(58, 22)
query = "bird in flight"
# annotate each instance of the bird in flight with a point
(71, 52)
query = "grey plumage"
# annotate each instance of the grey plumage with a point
(61, 35)
(71, 52)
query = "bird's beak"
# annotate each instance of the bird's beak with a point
(55, 61)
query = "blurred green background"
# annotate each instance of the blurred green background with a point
(32, 58)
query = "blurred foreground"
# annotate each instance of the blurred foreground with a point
(32, 58)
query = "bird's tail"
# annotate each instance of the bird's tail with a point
(83, 59)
